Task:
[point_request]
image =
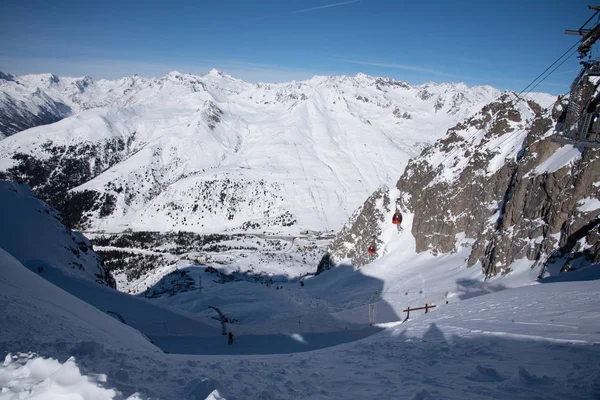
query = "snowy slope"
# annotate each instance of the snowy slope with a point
(35, 310)
(33, 232)
(26, 295)
(311, 341)
(533, 342)
(30, 100)
(208, 153)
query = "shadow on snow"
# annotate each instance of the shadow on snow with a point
(318, 326)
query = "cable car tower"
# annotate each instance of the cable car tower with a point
(579, 124)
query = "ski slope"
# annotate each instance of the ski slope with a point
(538, 341)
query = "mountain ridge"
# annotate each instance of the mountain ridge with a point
(311, 151)
(496, 184)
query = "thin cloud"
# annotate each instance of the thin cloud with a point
(343, 3)
(403, 67)
(570, 72)
(469, 60)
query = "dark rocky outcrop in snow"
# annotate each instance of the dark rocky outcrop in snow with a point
(497, 184)
(66, 167)
(212, 114)
(362, 231)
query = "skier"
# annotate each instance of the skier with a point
(230, 338)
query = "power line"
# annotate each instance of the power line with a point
(546, 70)
(551, 72)
(524, 130)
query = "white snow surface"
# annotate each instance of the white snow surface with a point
(588, 205)
(33, 377)
(33, 233)
(563, 157)
(493, 340)
(247, 152)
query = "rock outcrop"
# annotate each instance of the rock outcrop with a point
(496, 183)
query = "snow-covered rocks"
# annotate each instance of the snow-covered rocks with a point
(495, 184)
(30, 376)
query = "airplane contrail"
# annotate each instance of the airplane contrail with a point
(343, 3)
(325, 6)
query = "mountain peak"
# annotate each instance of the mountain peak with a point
(173, 74)
(361, 75)
(6, 76)
(53, 78)
(217, 73)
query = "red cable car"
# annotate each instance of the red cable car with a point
(397, 218)
(372, 249)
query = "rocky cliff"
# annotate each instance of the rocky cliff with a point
(496, 183)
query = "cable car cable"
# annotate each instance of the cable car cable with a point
(535, 82)
(546, 70)
(551, 72)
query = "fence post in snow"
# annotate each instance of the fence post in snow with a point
(372, 305)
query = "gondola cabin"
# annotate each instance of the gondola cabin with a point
(397, 218)
(372, 249)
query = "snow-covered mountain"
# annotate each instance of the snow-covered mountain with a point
(31, 100)
(539, 340)
(213, 153)
(496, 185)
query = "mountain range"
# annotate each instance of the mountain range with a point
(212, 153)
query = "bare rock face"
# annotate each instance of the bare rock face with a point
(212, 114)
(541, 211)
(498, 184)
(363, 230)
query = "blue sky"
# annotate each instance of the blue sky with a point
(505, 44)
